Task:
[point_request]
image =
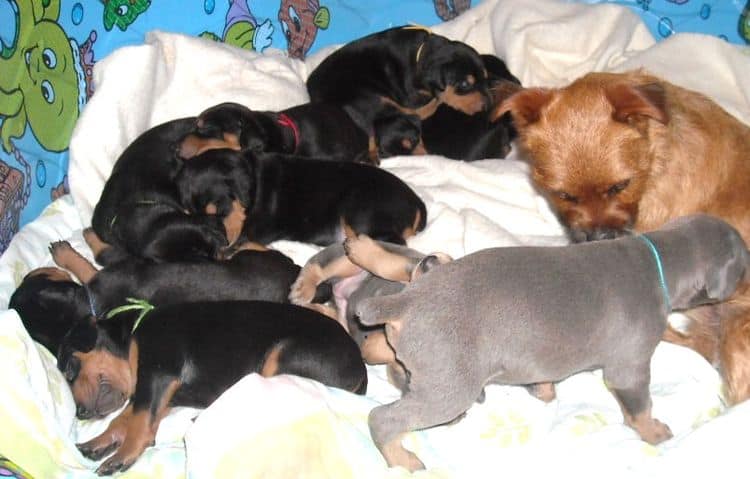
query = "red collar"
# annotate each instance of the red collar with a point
(284, 120)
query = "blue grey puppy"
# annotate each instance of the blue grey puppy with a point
(527, 315)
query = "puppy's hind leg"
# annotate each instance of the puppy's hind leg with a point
(630, 385)
(414, 411)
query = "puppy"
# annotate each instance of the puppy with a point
(620, 151)
(188, 354)
(450, 132)
(50, 302)
(312, 201)
(315, 130)
(543, 314)
(356, 269)
(139, 212)
(409, 68)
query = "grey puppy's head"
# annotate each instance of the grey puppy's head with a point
(714, 245)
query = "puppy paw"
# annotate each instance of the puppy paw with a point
(655, 432)
(62, 253)
(359, 248)
(303, 289)
(97, 448)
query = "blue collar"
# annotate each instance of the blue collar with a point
(659, 268)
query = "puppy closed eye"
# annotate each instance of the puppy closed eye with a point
(618, 187)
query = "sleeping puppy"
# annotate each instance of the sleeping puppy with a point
(139, 212)
(405, 67)
(450, 132)
(545, 313)
(310, 130)
(49, 301)
(312, 201)
(188, 354)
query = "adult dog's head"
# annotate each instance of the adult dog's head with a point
(591, 147)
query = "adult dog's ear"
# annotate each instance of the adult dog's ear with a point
(630, 102)
(525, 106)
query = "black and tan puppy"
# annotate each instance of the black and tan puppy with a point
(312, 201)
(187, 355)
(50, 302)
(450, 132)
(406, 67)
(315, 130)
(139, 212)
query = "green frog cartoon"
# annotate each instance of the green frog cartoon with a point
(42, 76)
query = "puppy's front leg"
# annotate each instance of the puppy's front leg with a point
(141, 426)
(110, 439)
(630, 385)
(66, 257)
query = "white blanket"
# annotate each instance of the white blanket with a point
(292, 427)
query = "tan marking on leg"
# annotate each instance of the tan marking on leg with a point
(650, 429)
(141, 431)
(114, 435)
(271, 363)
(312, 274)
(66, 257)
(95, 243)
(376, 350)
(369, 255)
(396, 455)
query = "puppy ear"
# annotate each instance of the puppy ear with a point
(429, 262)
(525, 106)
(630, 101)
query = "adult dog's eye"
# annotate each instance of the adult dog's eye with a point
(566, 197)
(618, 187)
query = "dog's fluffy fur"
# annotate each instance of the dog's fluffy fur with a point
(628, 151)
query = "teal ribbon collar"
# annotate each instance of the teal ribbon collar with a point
(659, 268)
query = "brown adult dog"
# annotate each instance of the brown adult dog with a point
(617, 152)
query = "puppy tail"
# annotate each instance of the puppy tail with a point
(381, 310)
